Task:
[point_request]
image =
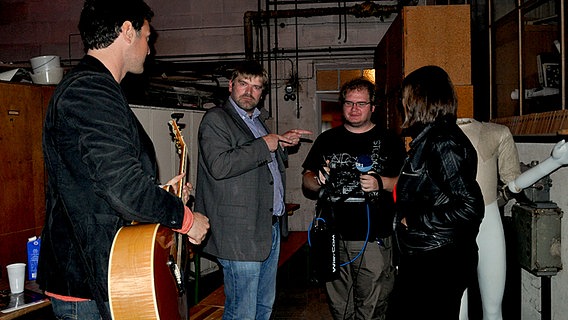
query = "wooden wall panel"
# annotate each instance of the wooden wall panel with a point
(419, 36)
(438, 35)
(465, 101)
(22, 174)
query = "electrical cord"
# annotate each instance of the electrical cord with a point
(353, 281)
(310, 228)
(323, 191)
(356, 274)
(366, 237)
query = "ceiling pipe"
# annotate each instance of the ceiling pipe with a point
(363, 10)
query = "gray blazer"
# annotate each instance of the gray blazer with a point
(235, 187)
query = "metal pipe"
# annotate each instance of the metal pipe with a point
(491, 32)
(563, 24)
(233, 56)
(365, 9)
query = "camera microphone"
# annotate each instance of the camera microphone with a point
(364, 163)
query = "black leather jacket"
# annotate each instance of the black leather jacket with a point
(437, 192)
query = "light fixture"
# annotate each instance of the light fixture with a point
(289, 92)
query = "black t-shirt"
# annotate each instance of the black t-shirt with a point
(344, 150)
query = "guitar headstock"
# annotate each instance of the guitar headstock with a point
(178, 138)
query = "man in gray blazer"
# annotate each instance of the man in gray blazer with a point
(240, 188)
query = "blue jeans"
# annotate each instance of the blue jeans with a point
(65, 310)
(250, 286)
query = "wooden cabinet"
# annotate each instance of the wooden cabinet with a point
(420, 36)
(22, 175)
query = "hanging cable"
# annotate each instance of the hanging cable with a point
(366, 237)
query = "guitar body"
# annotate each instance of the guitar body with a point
(144, 280)
(141, 284)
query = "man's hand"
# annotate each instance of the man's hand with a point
(314, 181)
(173, 185)
(322, 178)
(292, 137)
(272, 140)
(369, 182)
(198, 229)
(288, 139)
(174, 181)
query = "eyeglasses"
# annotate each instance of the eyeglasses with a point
(360, 104)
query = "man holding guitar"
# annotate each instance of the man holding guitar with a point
(101, 164)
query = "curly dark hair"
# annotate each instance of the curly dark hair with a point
(358, 84)
(101, 20)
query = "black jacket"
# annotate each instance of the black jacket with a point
(101, 164)
(437, 191)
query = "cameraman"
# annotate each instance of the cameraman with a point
(357, 164)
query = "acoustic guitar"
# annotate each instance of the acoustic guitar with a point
(144, 279)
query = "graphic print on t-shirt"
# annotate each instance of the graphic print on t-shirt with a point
(344, 175)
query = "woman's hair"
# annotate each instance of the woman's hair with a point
(428, 94)
(101, 20)
(360, 83)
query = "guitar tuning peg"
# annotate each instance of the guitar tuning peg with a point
(177, 115)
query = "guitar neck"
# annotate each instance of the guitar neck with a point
(182, 169)
(182, 151)
(178, 249)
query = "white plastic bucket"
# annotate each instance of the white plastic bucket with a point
(49, 76)
(42, 63)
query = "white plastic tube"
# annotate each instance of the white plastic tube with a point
(558, 158)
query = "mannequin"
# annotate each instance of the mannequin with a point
(498, 160)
